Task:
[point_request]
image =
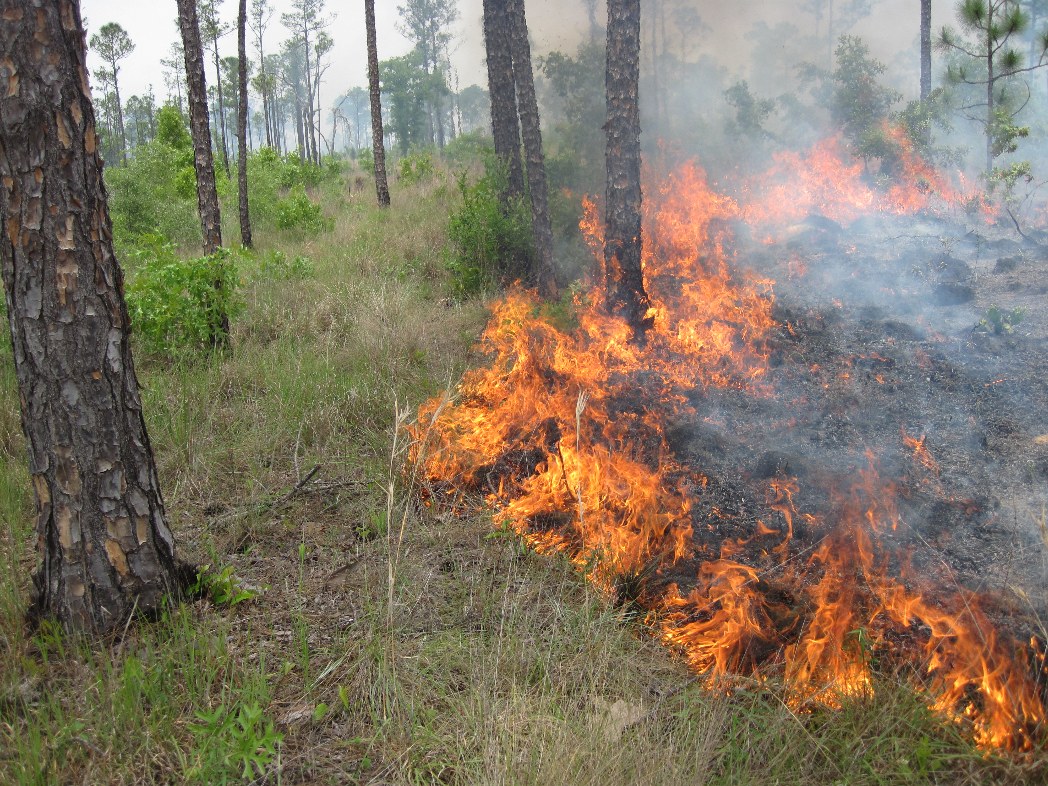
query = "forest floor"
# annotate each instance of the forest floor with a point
(346, 638)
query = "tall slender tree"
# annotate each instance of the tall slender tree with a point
(260, 15)
(203, 162)
(377, 136)
(213, 28)
(926, 49)
(992, 26)
(528, 107)
(428, 23)
(505, 124)
(102, 534)
(245, 216)
(113, 44)
(626, 296)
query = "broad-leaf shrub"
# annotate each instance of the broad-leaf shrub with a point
(278, 265)
(298, 211)
(176, 305)
(413, 169)
(490, 241)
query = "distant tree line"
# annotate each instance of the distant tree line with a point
(287, 109)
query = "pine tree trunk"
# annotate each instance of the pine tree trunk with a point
(505, 127)
(926, 49)
(221, 109)
(622, 240)
(104, 543)
(543, 272)
(300, 129)
(245, 216)
(207, 194)
(377, 135)
(119, 116)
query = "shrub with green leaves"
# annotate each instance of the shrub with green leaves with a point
(278, 265)
(413, 169)
(176, 305)
(298, 211)
(155, 192)
(490, 240)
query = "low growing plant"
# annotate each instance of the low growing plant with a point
(298, 211)
(490, 237)
(178, 304)
(234, 744)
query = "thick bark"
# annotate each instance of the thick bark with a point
(622, 239)
(245, 216)
(104, 543)
(377, 135)
(926, 49)
(203, 161)
(505, 126)
(542, 271)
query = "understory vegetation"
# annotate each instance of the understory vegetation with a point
(341, 633)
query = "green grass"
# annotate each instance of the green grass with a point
(383, 644)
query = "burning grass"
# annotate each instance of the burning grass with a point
(564, 433)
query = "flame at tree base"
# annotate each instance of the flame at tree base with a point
(563, 435)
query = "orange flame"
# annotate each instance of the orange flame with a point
(564, 435)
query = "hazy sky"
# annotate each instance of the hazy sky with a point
(553, 25)
(151, 25)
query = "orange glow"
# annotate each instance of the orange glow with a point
(564, 435)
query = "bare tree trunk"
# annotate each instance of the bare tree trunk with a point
(505, 126)
(104, 543)
(221, 111)
(543, 271)
(119, 117)
(926, 49)
(622, 240)
(377, 135)
(245, 217)
(207, 194)
(203, 162)
(300, 129)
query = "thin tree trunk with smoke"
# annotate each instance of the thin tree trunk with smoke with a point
(504, 122)
(926, 49)
(245, 217)
(378, 147)
(622, 239)
(542, 268)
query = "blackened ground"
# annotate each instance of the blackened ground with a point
(920, 326)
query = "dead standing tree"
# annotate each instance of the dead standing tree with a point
(624, 278)
(104, 544)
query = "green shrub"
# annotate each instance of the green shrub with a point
(415, 168)
(177, 304)
(278, 265)
(490, 241)
(155, 193)
(298, 211)
(468, 150)
(366, 159)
